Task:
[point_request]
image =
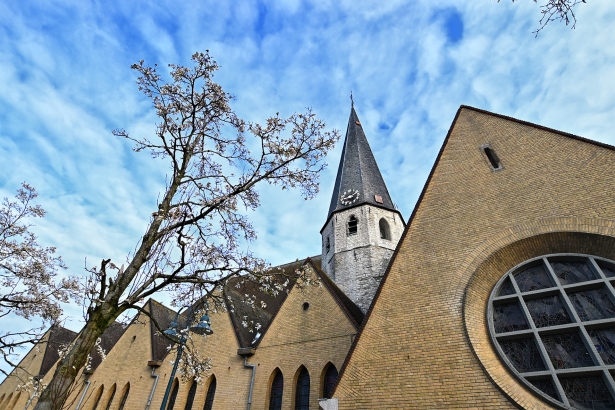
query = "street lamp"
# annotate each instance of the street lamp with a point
(176, 334)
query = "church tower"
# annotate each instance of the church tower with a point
(363, 226)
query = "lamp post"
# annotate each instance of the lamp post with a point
(176, 334)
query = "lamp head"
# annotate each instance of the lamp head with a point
(203, 327)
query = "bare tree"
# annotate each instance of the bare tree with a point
(560, 10)
(29, 284)
(193, 242)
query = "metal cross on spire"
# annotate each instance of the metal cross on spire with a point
(351, 99)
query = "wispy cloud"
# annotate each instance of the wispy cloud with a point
(65, 83)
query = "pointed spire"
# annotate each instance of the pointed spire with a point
(358, 178)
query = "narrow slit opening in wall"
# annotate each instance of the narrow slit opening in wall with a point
(493, 159)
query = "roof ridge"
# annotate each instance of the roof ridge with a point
(541, 127)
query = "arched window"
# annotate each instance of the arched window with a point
(327, 245)
(277, 388)
(15, 400)
(191, 394)
(8, 401)
(302, 393)
(111, 395)
(385, 231)
(211, 392)
(329, 380)
(173, 396)
(124, 396)
(353, 223)
(98, 395)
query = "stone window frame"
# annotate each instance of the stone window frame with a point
(603, 281)
(349, 229)
(385, 229)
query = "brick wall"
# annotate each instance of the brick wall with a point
(425, 344)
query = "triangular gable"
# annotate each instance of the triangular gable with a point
(545, 174)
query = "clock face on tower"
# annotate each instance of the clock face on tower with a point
(349, 197)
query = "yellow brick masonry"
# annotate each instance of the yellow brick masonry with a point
(315, 337)
(28, 367)
(425, 344)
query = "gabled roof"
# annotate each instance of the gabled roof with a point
(241, 312)
(58, 337)
(108, 339)
(358, 171)
(261, 313)
(161, 316)
(420, 200)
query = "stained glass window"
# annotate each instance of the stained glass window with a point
(564, 352)
(507, 288)
(329, 382)
(587, 392)
(533, 278)
(111, 396)
(546, 386)
(125, 396)
(607, 269)
(211, 392)
(604, 342)
(567, 350)
(191, 394)
(508, 317)
(548, 311)
(523, 354)
(302, 394)
(592, 304)
(277, 389)
(173, 396)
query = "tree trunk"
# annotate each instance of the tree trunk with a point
(59, 389)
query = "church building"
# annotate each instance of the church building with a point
(497, 293)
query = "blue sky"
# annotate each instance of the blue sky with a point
(66, 82)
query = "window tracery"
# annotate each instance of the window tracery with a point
(552, 321)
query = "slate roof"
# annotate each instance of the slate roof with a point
(240, 311)
(58, 337)
(161, 316)
(359, 171)
(108, 339)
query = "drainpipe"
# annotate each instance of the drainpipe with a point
(245, 364)
(153, 364)
(87, 386)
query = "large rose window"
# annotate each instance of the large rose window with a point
(552, 320)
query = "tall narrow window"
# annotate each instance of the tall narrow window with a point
(277, 388)
(302, 394)
(15, 400)
(191, 394)
(99, 394)
(124, 396)
(385, 231)
(111, 395)
(328, 245)
(211, 392)
(492, 157)
(353, 223)
(8, 401)
(329, 381)
(173, 396)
